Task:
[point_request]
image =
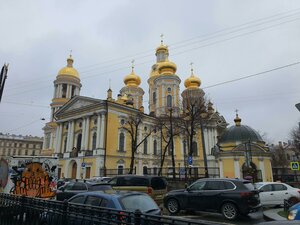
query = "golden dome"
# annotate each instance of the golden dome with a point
(167, 67)
(69, 70)
(192, 81)
(132, 79)
(162, 47)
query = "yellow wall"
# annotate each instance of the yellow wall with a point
(228, 167)
(268, 170)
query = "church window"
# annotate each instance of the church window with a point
(65, 144)
(169, 101)
(95, 121)
(155, 147)
(73, 90)
(169, 90)
(184, 147)
(78, 145)
(80, 124)
(195, 148)
(145, 170)
(154, 98)
(120, 169)
(121, 141)
(64, 91)
(145, 146)
(122, 121)
(94, 140)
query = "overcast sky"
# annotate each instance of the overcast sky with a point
(226, 40)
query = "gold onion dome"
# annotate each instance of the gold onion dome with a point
(237, 120)
(69, 70)
(192, 81)
(167, 67)
(132, 79)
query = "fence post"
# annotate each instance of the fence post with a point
(65, 213)
(137, 217)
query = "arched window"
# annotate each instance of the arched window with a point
(184, 148)
(155, 147)
(195, 148)
(145, 170)
(145, 146)
(120, 169)
(94, 140)
(169, 101)
(78, 145)
(121, 141)
(64, 90)
(65, 144)
(154, 98)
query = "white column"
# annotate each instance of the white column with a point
(44, 141)
(221, 168)
(98, 131)
(58, 138)
(72, 136)
(83, 134)
(237, 172)
(51, 140)
(87, 133)
(68, 136)
(102, 131)
(68, 91)
(164, 100)
(174, 99)
(262, 168)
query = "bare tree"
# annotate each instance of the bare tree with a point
(168, 126)
(295, 136)
(279, 157)
(193, 118)
(132, 126)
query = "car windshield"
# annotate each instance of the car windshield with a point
(100, 187)
(258, 185)
(249, 186)
(141, 202)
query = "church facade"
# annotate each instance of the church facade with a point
(93, 136)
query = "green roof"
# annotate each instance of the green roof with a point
(241, 133)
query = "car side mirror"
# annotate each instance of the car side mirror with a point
(260, 190)
(188, 189)
(62, 189)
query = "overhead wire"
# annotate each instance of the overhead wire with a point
(184, 41)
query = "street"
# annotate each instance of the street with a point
(253, 218)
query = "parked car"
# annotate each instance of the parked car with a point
(75, 187)
(155, 186)
(274, 193)
(119, 201)
(230, 197)
(294, 212)
(62, 182)
(100, 179)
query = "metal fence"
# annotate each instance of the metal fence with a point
(180, 172)
(20, 210)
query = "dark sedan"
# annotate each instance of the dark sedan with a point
(107, 207)
(75, 187)
(230, 197)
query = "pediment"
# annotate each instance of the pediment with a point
(78, 103)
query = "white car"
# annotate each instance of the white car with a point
(274, 193)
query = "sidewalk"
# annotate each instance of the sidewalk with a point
(272, 214)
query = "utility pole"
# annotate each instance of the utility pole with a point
(172, 142)
(3, 76)
(204, 151)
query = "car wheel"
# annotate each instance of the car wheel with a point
(173, 206)
(293, 200)
(229, 211)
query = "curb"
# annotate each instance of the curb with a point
(272, 215)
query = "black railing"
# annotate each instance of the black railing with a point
(15, 210)
(181, 173)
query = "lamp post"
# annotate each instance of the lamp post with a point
(204, 150)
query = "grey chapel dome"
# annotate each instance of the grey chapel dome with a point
(240, 133)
